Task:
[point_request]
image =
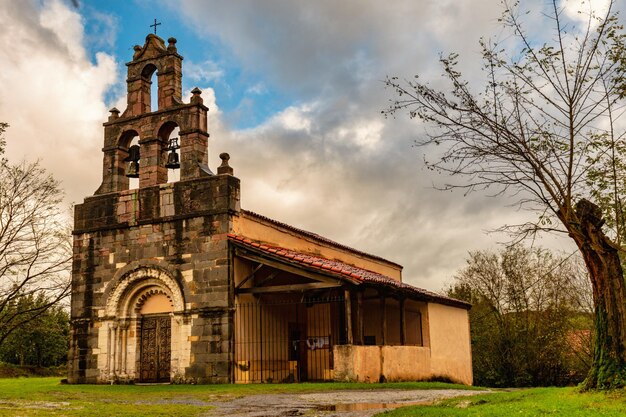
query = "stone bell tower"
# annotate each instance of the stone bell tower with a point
(154, 127)
(152, 298)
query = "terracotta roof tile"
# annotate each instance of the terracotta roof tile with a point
(338, 267)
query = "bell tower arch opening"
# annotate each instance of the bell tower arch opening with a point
(134, 163)
(151, 88)
(128, 160)
(169, 135)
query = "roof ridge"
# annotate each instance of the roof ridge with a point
(320, 238)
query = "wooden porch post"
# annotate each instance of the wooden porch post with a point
(359, 317)
(348, 305)
(402, 323)
(383, 318)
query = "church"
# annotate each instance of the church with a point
(172, 281)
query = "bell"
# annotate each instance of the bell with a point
(133, 153)
(172, 160)
(133, 169)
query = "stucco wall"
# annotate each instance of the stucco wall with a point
(446, 353)
(374, 363)
(357, 363)
(256, 229)
(451, 352)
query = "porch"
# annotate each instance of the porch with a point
(302, 323)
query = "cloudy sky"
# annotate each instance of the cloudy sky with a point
(295, 95)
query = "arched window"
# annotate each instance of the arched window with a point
(133, 182)
(167, 132)
(152, 103)
(128, 139)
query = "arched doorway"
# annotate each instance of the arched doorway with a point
(155, 337)
(147, 305)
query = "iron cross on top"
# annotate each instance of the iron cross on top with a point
(155, 25)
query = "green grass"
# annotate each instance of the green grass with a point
(48, 397)
(528, 402)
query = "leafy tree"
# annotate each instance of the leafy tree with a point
(543, 122)
(35, 250)
(529, 320)
(43, 339)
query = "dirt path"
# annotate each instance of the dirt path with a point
(329, 404)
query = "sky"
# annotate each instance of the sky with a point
(295, 91)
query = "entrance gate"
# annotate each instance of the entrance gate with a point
(287, 341)
(155, 348)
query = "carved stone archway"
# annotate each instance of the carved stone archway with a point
(126, 291)
(128, 328)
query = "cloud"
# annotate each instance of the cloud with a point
(330, 163)
(205, 72)
(51, 94)
(582, 10)
(257, 89)
(372, 196)
(103, 29)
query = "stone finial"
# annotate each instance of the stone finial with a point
(224, 169)
(137, 50)
(115, 113)
(196, 98)
(171, 47)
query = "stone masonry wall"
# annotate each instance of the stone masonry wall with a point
(181, 226)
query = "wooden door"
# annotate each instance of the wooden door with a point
(155, 349)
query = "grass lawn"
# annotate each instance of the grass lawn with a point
(47, 397)
(528, 402)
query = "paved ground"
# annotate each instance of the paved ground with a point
(329, 404)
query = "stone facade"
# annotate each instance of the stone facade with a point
(162, 238)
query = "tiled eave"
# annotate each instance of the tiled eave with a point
(348, 273)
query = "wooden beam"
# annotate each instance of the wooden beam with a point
(267, 279)
(383, 318)
(402, 323)
(348, 303)
(359, 318)
(246, 279)
(288, 288)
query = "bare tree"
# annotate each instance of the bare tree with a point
(535, 132)
(35, 249)
(3, 127)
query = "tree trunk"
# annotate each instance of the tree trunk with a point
(608, 369)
